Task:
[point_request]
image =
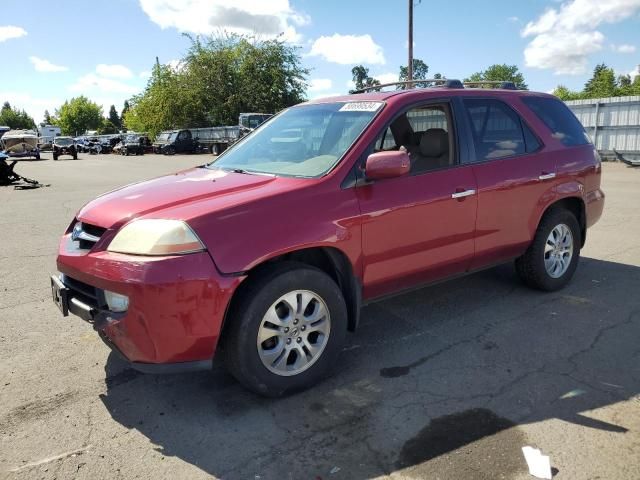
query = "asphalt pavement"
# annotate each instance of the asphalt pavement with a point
(447, 382)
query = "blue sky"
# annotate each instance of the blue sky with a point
(54, 51)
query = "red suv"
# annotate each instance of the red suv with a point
(267, 254)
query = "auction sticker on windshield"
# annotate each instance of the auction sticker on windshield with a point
(360, 107)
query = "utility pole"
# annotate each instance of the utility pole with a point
(410, 45)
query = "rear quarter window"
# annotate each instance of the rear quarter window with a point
(559, 118)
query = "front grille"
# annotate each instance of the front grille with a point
(92, 296)
(86, 235)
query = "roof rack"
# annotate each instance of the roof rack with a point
(443, 82)
(501, 84)
(440, 82)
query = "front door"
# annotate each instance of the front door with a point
(420, 227)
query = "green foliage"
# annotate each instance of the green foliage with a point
(114, 118)
(217, 79)
(47, 118)
(602, 84)
(498, 73)
(78, 115)
(361, 78)
(107, 127)
(15, 119)
(420, 70)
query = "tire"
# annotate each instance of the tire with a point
(75, 156)
(532, 267)
(247, 317)
(215, 149)
(170, 151)
(55, 157)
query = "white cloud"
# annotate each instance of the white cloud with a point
(388, 77)
(92, 83)
(564, 38)
(623, 48)
(513, 19)
(325, 95)
(8, 32)
(265, 18)
(42, 65)
(113, 71)
(146, 74)
(348, 49)
(635, 72)
(34, 106)
(176, 64)
(320, 84)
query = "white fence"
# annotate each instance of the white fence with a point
(613, 124)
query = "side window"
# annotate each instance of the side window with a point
(424, 133)
(561, 121)
(497, 129)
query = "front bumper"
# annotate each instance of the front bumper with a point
(176, 304)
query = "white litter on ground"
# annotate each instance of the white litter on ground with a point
(539, 465)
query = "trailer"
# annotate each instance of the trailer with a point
(613, 124)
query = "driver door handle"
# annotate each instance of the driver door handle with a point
(547, 176)
(464, 193)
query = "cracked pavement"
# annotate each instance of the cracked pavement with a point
(447, 382)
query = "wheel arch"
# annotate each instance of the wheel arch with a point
(576, 205)
(330, 260)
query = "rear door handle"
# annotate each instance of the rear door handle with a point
(547, 176)
(464, 193)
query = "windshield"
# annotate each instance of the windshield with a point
(305, 141)
(163, 137)
(131, 138)
(63, 141)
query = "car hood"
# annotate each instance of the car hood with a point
(159, 196)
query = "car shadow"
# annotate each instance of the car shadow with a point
(455, 368)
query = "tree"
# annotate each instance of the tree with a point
(125, 109)
(361, 78)
(47, 118)
(420, 70)
(602, 83)
(14, 118)
(114, 118)
(107, 127)
(563, 93)
(500, 73)
(78, 115)
(218, 78)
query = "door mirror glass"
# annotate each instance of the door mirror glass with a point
(390, 164)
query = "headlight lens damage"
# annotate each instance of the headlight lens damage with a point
(156, 237)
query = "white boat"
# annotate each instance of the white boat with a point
(20, 143)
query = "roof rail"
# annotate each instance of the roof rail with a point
(443, 82)
(500, 83)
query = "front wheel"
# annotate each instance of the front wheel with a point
(287, 330)
(552, 258)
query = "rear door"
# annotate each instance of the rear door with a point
(514, 177)
(419, 227)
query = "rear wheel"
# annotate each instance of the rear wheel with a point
(55, 157)
(75, 156)
(215, 149)
(287, 330)
(552, 258)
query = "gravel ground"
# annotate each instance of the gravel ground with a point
(446, 382)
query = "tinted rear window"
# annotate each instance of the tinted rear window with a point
(561, 121)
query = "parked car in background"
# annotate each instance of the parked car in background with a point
(132, 145)
(93, 146)
(175, 141)
(266, 255)
(64, 146)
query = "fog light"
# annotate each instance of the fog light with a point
(116, 302)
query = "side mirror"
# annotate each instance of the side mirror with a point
(391, 164)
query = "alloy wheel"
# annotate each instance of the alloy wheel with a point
(293, 333)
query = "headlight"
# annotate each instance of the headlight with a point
(156, 237)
